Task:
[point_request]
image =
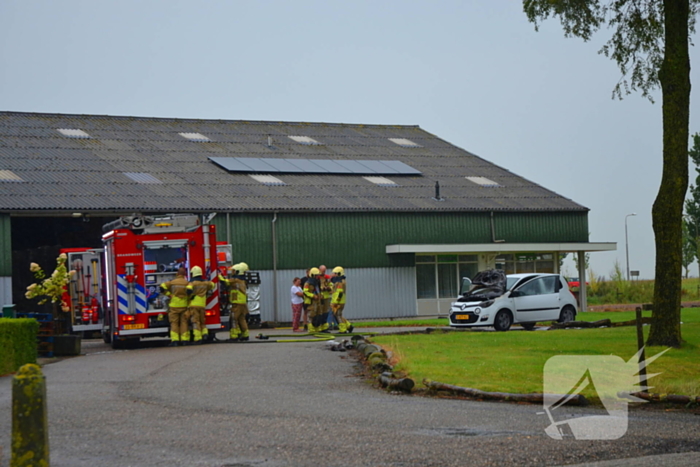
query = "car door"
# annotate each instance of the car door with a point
(537, 300)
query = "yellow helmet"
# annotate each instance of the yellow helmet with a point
(314, 272)
(233, 268)
(339, 270)
(242, 268)
(196, 271)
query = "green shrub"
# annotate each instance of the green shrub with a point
(17, 343)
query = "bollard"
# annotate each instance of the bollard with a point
(30, 430)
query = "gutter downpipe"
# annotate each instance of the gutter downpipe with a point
(493, 231)
(228, 228)
(274, 266)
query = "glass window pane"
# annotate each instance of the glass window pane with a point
(425, 281)
(447, 280)
(468, 258)
(468, 270)
(548, 284)
(545, 266)
(447, 259)
(425, 258)
(506, 264)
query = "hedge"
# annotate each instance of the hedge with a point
(17, 343)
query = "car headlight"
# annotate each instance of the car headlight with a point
(477, 310)
(486, 304)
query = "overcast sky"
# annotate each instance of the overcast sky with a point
(474, 73)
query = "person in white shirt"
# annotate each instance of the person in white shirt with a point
(297, 304)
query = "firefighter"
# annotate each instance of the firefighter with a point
(197, 291)
(338, 300)
(176, 289)
(312, 298)
(239, 302)
(326, 289)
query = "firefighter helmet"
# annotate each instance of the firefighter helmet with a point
(339, 270)
(314, 272)
(196, 271)
(242, 268)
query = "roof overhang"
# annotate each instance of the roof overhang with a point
(501, 247)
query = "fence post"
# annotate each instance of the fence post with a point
(30, 430)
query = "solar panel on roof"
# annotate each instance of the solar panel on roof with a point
(378, 167)
(258, 165)
(232, 164)
(284, 165)
(356, 168)
(400, 167)
(313, 166)
(307, 166)
(331, 166)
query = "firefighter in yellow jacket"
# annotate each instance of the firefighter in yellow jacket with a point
(176, 289)
(197, 291)
(340, 288)
(312, 298)
(239, 302)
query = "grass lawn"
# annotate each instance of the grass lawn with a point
(513, 361)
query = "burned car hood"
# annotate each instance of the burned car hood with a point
(486, 285)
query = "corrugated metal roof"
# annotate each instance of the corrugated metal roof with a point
(89, 174)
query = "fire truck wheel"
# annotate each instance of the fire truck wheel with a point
(107, 337)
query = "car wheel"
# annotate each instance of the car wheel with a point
(528, 326)
(567, 314)
(503, 320)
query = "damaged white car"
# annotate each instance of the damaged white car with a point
(493, 299)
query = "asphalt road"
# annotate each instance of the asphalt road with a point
(299, 404)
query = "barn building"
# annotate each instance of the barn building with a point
(406, 213)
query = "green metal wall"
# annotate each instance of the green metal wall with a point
(359, 240)
(5, 246)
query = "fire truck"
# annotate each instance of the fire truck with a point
(116, 289)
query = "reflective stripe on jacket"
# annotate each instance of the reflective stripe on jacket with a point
(339, 291)
(237, 286)
(197, 291)
(177, 290)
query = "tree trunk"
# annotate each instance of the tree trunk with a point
(667, 211)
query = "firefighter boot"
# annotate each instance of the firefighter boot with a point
(234, 335)
(323, 328)
(197, 336)
(343, 328)
(311, 328)
(174, 339)
(245, 335)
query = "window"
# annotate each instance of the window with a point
(525, 262)
(483, 181)
(73, 133)
(305, 140)
(403, 142)
(440, 276)
(196, 137)
(9, 176)
(425, 277)
(534, 287)
(381, 181)
(268, 180)
(549, 284)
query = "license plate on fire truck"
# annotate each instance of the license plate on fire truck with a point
(134, 326)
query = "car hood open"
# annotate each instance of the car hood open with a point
(486, 285)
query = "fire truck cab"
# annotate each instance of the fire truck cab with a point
(140, 254)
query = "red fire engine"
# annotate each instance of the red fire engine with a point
(124, 301)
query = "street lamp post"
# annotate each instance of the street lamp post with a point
(627, 250)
